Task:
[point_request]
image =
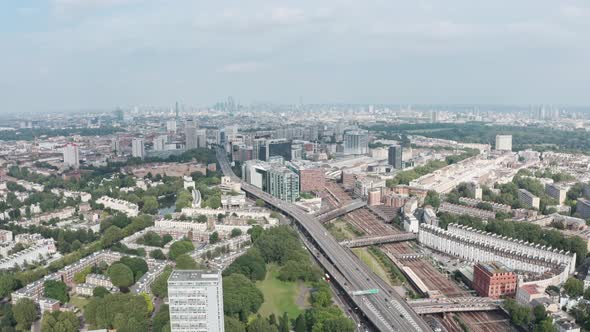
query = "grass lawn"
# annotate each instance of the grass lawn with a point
(341, 230)
(373, 263)
(279, 296)
(79, 301)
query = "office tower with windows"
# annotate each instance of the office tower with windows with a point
(394, 156)
(356, 142)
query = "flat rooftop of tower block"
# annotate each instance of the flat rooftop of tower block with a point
(192, 275)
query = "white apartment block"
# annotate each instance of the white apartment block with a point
(478, 246)
(504, 142)
(35, 289)
(138, 148)
(189, 182)
(84, 196)
(84, 289)
(160, 143)
(99, 280)
(253, 213)
(71, 154)
(5, 236)
(30, 186)
(229, 201)
(527, 199)
(130, 209)
(64, 213)
(196, 301)
(40, 251)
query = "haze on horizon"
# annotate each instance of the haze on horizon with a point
(90, 54)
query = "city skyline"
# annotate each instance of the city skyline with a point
(68, 55)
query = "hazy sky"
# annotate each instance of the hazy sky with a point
(70, 54)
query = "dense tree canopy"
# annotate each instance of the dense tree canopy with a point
(137, 265)
(121, 275)
(160, 286)
(323, 314)
(185, 262)
(233, 324)
(250, 264)
(161, 321)
(180, 247)
(124, 312)
(56, 290)
(8, 283)
(100, 291)
(157, 254)
(538, 138)
(574, 287)
(111, 235)
(240, 296)
(25, 313)
(280, 244)
(58, 321)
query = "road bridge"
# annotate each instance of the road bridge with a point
(368, 241)
(388, 311)
(349, 207)
(454, 304)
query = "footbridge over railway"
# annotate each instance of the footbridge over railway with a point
(348, 207)
(368, 241)
(454, 304)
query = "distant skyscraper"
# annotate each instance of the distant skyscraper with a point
(504, 142)
(171, 126)
(160, 142)
(190, 132)
(356, 142)
(116, 145)
(71, 155)
(279, 148)
(195, 301)
(434, 116)
(395, 156)
(138, 148)
(201, 136)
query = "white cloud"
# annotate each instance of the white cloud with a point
(66, 7)
(242, 67)
(285, 15)
(575, 12)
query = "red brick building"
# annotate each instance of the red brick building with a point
(374, 197)
(311, 179)
(493, 279)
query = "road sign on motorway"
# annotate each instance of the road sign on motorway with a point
(365, 292)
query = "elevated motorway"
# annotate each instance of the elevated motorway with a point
(368, 241)
(455, 304)
(387, 311)
(349, 207)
